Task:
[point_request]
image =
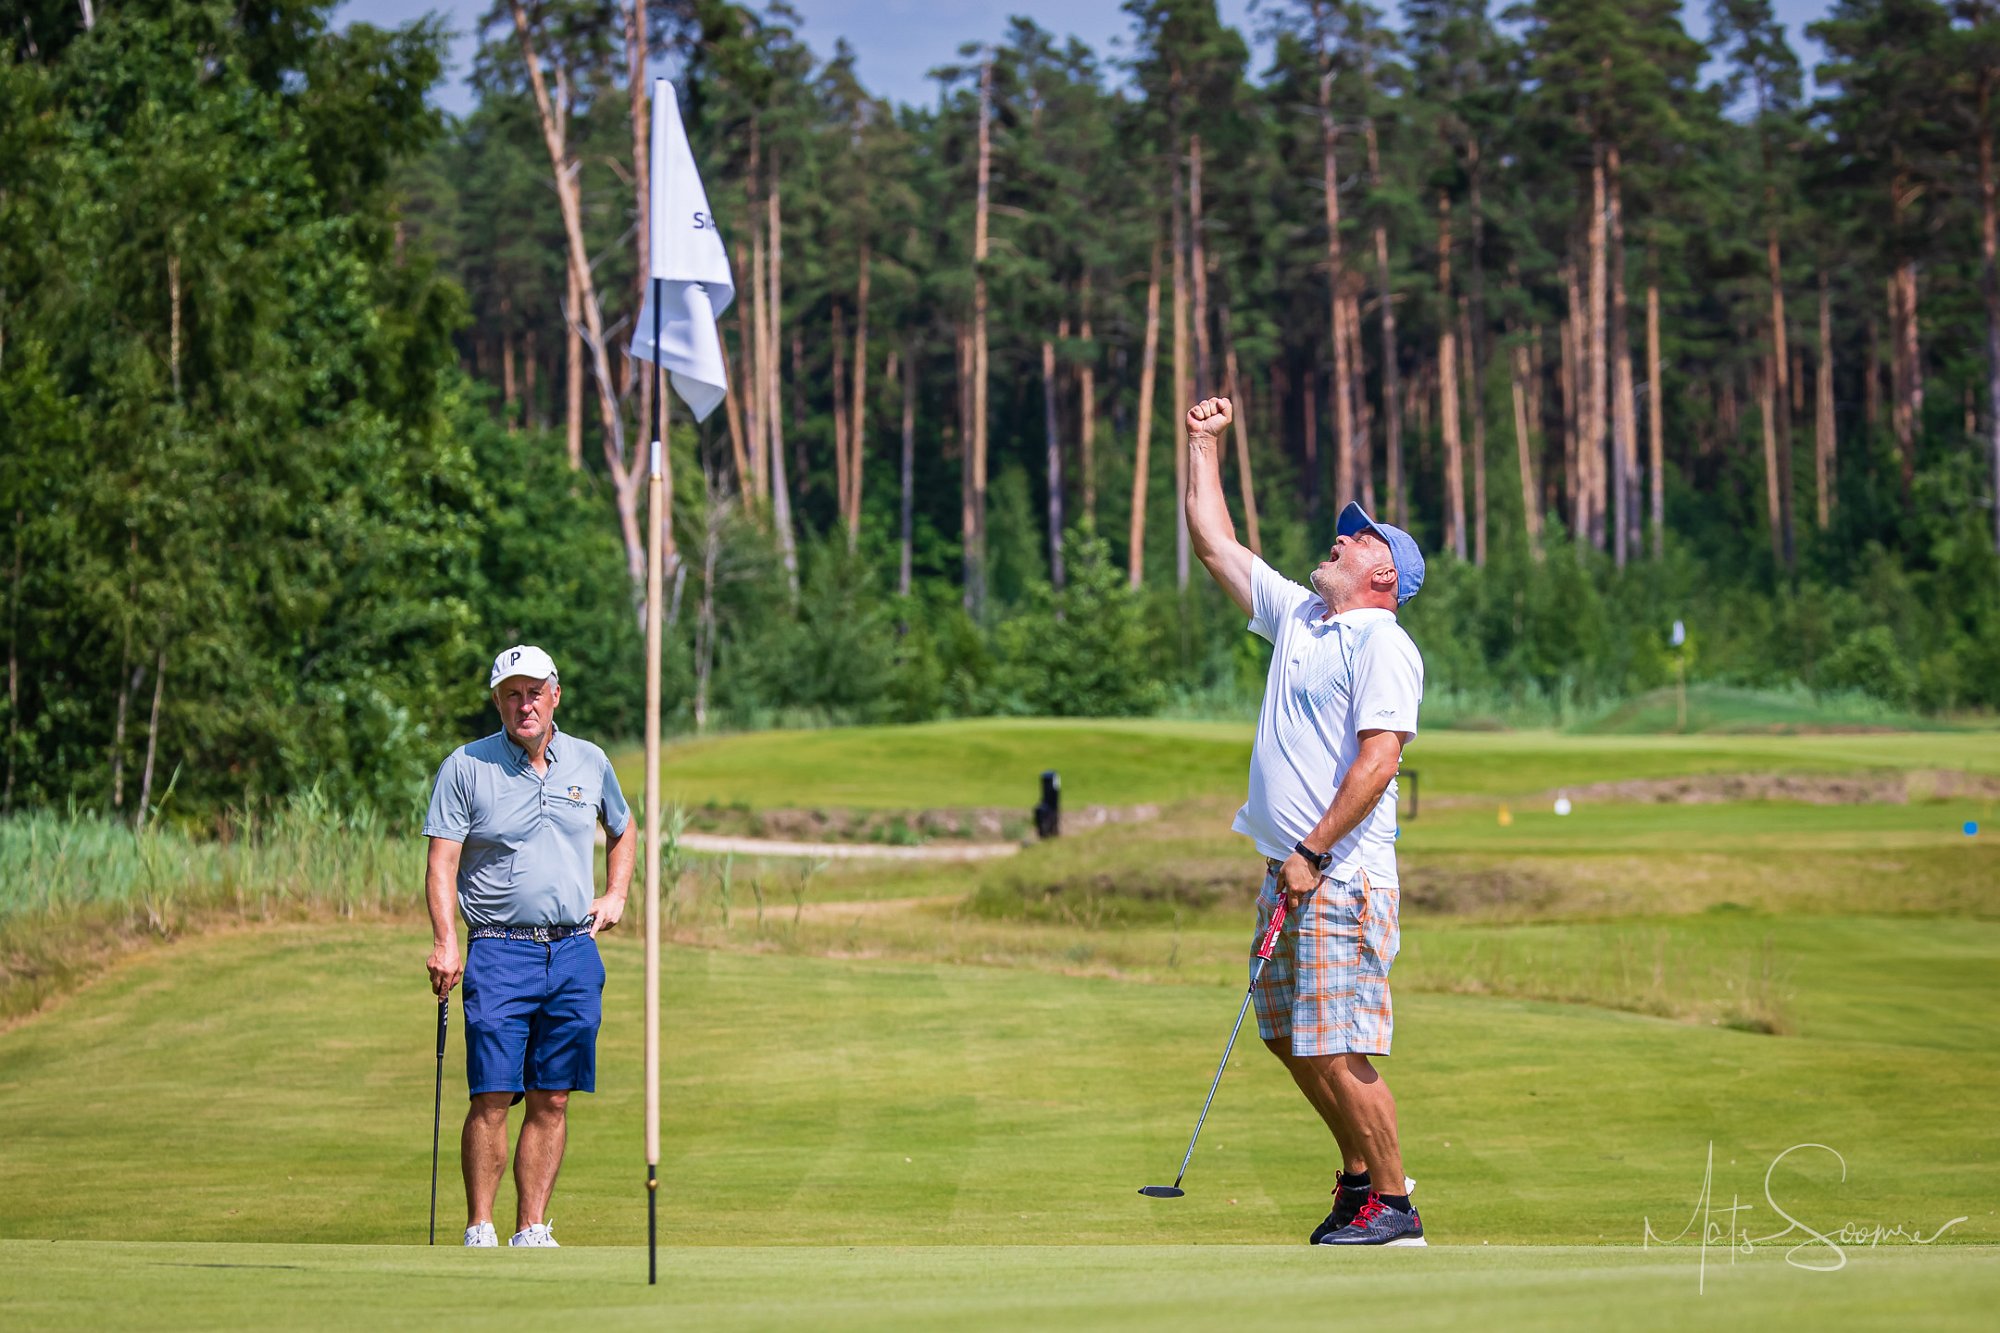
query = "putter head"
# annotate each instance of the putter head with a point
(1162, 1191)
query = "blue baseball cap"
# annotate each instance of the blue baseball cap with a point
(1403, 552)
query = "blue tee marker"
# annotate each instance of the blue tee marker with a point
(1971, 828)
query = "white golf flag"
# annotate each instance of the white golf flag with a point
(691, 266)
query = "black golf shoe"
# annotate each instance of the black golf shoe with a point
(1379, 1224)
(1346, 1204)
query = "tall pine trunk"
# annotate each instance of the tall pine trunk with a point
(1309, 406)
(1204, 353)
(842, 444)
(1574, 410)
(1781, 387)
(774, 411)
(967, 519)
(1363, 464)
(1989, 254)
(909, 467)
(1624, 423)
(1531, 507)
(1053, 437)
(1086, 407)
(1182, 393)
(976, 539)
(573, 360)
(1655, 420)
(1767, 410)
(152, 738)
(1240, 400)
(1392, 399)
(1597, 388)
(1447, 359)
(1477, 416)
(1149, 358)
(1475, 349)
(1823, 411)
(857, 432)
(1336, 282)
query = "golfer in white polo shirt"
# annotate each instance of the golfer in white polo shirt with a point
(1340, 704)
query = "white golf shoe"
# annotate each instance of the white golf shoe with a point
(536, 1234)
(481, 1237)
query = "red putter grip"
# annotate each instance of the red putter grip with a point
(1270, 940)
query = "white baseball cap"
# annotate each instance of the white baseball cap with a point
(523, 659)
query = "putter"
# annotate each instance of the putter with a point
(437, 1109)
(1264, 947)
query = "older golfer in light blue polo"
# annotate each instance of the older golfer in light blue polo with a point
(512, 827)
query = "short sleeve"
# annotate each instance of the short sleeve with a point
(1272, 598)
(611, 807)
(1388, 683)
(450, 812)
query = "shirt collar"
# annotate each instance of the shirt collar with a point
(1359, 615)
(520, 755)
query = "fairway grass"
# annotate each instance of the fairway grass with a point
(998, 762)
(1149, 1288)
(925, 1096)
(249, 1087)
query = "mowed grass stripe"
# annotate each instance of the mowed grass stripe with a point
(256, 1086)
(96, 1286)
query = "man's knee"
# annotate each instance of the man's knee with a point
(489, 1107)
(1280, 1047)
(547, 1101)
(1349, 1068)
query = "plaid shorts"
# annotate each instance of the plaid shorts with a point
(1327, 984)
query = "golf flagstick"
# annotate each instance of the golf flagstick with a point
(690, 286)
(655, 503)
(437, 1107)
(1264, 947)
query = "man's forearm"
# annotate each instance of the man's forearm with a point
(1358, 793)
(619, 856)
(1208, 520)
(440, 895)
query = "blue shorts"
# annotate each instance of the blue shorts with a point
(531, 1015)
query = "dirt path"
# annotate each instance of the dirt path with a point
(846, 851)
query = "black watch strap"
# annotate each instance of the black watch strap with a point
(1322, 860)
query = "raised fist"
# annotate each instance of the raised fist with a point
(1210, 417)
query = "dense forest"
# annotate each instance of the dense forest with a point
(312, 397)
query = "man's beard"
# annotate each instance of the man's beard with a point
(1325, 582)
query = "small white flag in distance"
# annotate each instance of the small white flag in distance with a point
(1680, 635)
(689, 265)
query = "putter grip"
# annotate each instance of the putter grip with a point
(444, 1022)
(1270, 940)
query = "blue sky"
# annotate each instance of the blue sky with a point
(897, 41)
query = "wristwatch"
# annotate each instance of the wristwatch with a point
(1321, 861)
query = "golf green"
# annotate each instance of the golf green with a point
(72, 1285)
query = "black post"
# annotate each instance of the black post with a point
(1048, 815)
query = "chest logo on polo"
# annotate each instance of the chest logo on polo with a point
(576, 793)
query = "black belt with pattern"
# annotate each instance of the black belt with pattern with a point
(536, 934)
